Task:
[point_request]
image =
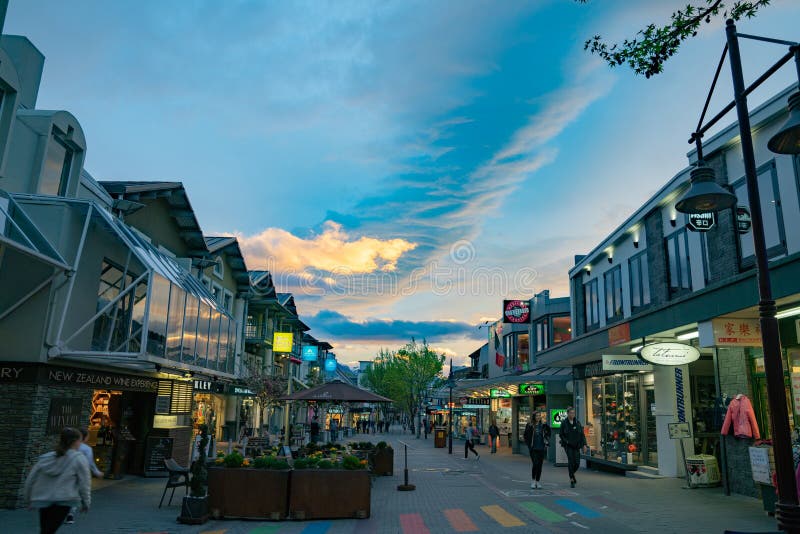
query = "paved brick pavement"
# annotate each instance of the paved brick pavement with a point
(489, 495)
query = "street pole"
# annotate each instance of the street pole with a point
(787, 510)
(450, 409)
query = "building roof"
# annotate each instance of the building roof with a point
(230, 246)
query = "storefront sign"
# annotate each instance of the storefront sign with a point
(669, 353)
(64, 412)
(556, 416)
(619, 334)
(759, 464)
(702, 222)
(330, 365)
(463, 400)
(475, 406)
(497, 393)
(516, 311)
(679, 430)
(310, 353)
(531, 389)
(680, 395)
(743, 219)
(730, 332)
(18, 372)
(208, 386)
(240, 390)
(96, 379)
(615, 362)
(282, 342)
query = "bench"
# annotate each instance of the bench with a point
(256, 445)
(593, 462)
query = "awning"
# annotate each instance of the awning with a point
(479, 388)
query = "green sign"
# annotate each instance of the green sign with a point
(497, 393)
(556, 416)
(531, 389)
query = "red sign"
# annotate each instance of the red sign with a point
(516, 311)
(619, 334)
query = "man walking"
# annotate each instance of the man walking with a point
(574, 441)
(468, 445)
(425, 427)
(537, 438)
(494, 433)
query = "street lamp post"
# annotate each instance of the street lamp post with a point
(450, 384)
(705, 195)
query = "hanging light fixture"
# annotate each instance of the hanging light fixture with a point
(705, 194)
(787, 140)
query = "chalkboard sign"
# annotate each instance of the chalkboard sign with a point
(63, 413)
(157, 449)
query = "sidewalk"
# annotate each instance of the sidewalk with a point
(453, 495)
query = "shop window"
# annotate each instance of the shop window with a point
(614, 427)
(57, 166)
(177, 303)
(760, 399)
(190, 329)
(680, 275)
(613, 290)
(640, 281)
(542, 333)
(591, 305)
(771, 212)
(562, 329)
(157, 318)
(112, 327)
(517, 350)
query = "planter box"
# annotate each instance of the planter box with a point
(382, 461)
(329, 494)
(248, 493)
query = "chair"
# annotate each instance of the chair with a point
(178, 477)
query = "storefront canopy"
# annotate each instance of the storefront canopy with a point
(480, 388)
(336, 391)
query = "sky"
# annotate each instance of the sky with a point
(403, 166)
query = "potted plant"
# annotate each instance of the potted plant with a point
(331, 489)
(257, 489)
(194, 509)
(382, 459)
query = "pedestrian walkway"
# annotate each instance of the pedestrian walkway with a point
(490, 495)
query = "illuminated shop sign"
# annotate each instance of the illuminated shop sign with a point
(282, 342)
(669, 353)
(516, 311)
(497, 393)
(310, 353)
(531, 389)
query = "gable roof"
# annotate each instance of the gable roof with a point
(230, 246)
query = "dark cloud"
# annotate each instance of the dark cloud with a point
(336, 325)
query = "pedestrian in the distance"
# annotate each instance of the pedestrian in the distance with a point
(574, 441)
(59, 480)
(425, 427)
(469, 445)
(334, 431)
(494, 433)
(314, 430)
(537, 438)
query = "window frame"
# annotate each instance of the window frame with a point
(635, 264)
(614, 275)
(593, 286)
(679, 288)
(57, 137)
(218, 269)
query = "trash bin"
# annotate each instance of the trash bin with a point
(703, 471)
(440, 437)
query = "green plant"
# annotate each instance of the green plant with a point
(234, 459)
(325, 464)
(383, 445)
(353, 463)
(270, 462)
(302, 463)
(199, 483)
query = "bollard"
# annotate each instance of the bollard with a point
(406, 486)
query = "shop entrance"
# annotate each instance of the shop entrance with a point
(117, 426)
(650, 445)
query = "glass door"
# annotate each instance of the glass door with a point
(650, 443)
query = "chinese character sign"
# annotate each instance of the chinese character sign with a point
(730, 332)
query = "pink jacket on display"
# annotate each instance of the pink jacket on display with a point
(741, 415)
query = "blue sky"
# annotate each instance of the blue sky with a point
(400, 166)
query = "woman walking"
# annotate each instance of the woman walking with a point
(537, 438)
(59, 481)
(574, 441)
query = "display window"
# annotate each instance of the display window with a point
(791, 366)
(209, 410)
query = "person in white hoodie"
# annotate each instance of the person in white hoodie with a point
(59, 480)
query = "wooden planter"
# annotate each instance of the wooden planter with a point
(248, 493)
(382, 461)
(329, 494)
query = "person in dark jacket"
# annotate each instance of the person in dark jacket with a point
(494, 433)
(574, 441)
(537, 438)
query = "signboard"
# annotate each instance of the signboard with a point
(64, 412)
(282, 342)
(616, 362)
(730, 332)
(556, 416)
(497, 393)
(702, 222)
(743, 219)
(463, 400)
(163, 403)
(156, 450)
(26, 372)
(619, 334)
(310, 353)
(241, 390)
(516, 311)
(475, 406)
(531, 389)
(679, 430)
(669, 353)
(330, 365)
(759, 464)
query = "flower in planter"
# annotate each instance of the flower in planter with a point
(246, 462)
(325, 464)
(352, 463)
(234, 459)
(219, 461)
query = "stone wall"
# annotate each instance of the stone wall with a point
(23, 432)
(656, 259)
(734, 373)
(723, 245)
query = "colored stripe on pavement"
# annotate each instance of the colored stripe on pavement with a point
(266, 529)
(501, 516)
(320, 527)
(460, 521)
(577, 508)
(613, 504)
(413, 524)
(543, 512)
(214, 531)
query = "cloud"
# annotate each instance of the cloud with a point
(342, 327)
(334, 250)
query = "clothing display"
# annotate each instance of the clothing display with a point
(741, 418)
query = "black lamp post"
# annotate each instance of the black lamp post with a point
(450, 383)
(705, 195)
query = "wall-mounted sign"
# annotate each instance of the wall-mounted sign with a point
(475, 406)
(240, 390)
(624, 362)
(463, 400)
(531, 389)
(679, 430)
(497, 393)
(163, 403)
(516, 311)
(702, 222)
(730, 332)
(64, 412)
(310, 353)
(330, 365)
(743, 219)
(556, 416)
(619, 334)
(669, 353)
(282, 342)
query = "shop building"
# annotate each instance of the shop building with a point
(657, 279)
